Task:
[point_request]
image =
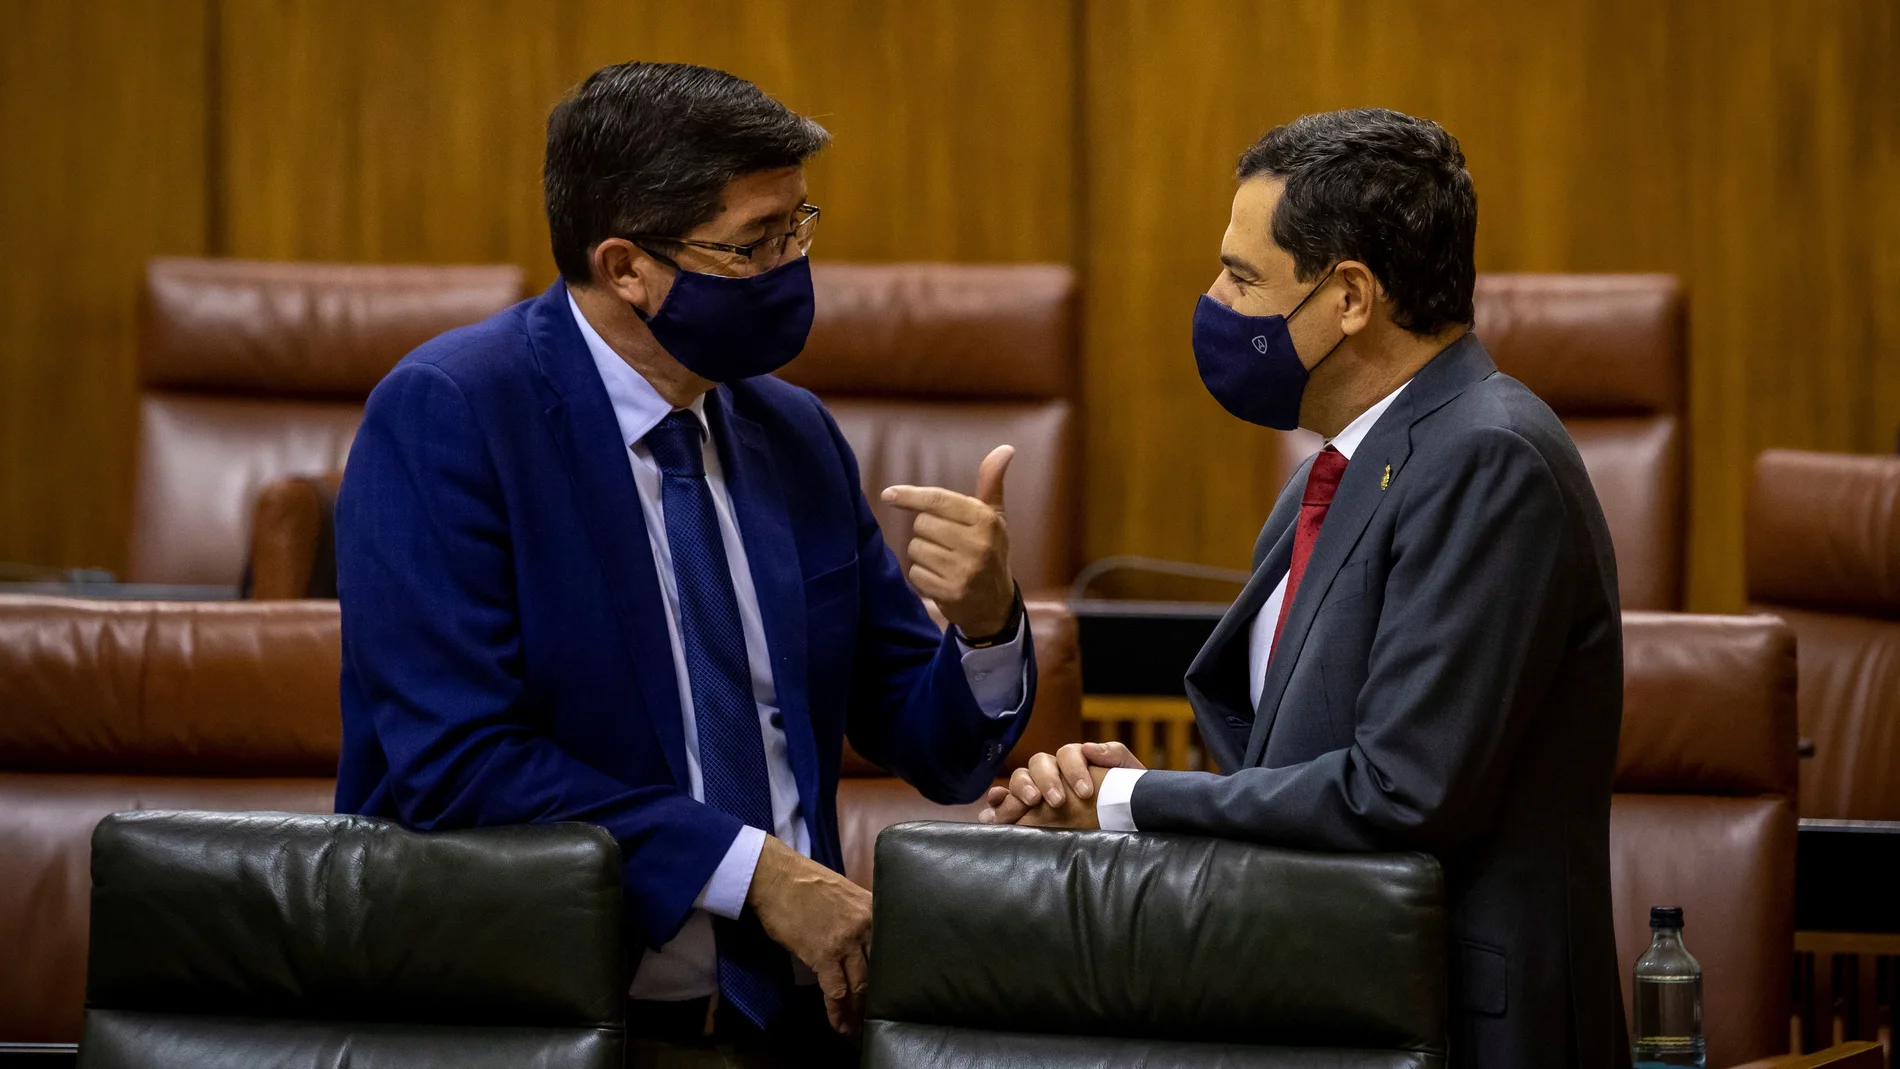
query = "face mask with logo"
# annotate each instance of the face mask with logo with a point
(724, 329)
(1249, 364)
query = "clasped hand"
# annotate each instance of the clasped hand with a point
(1057, 790)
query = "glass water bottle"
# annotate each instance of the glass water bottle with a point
(1667, 1029)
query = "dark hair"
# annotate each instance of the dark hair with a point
(1382, 188)
(647, 148)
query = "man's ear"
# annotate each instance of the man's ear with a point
(1361, 293)
(630, 273)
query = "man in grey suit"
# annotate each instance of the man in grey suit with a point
(1428, 656)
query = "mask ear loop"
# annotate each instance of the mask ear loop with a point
(1296, 311)
(677, 269)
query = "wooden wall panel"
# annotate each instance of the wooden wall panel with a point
(101, 134)
(1749, 147)
(372, 131)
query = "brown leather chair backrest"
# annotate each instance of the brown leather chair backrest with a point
(927, 367)
(1607, 353)
(113, 706)
(1823, 534)
(1704, 814)
(249, 371)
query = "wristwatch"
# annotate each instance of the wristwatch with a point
(1010, 626)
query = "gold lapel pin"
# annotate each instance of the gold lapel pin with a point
(1386, 479)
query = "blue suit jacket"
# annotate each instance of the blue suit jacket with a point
(505, 649)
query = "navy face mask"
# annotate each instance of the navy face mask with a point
(734, 328)
(1249, 364)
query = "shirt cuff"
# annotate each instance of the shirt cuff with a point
(1114, 800)
(997, 674)
(724, 894)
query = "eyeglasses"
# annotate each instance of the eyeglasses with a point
(768, 251)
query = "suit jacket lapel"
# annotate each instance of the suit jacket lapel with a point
(765, 525)
(583, 424)
(1217, 681)
(1361, 491)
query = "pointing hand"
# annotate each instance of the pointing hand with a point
(959, 547)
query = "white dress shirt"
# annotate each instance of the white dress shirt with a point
(687, 967)
(1114, 805)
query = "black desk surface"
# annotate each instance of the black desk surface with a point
(1847, 876)
(1141, 647)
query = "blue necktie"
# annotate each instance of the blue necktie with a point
(755, 974)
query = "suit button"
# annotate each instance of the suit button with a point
(778, 721)
(995, 751)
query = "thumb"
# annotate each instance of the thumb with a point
(989, 476)
(1109, 755)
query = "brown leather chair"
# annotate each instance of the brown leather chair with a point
(927, 367)
(1608, 354)
(1823, 534)
(249, 371)
(109, 706)
(252, 372)
(1823, 537)
(1703, 816)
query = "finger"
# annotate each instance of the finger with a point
(1047, 777)
(1110, 755)
(936, 501)
(941, 560)
(989, 476)
(1010, 811)
(857, 973)
(836, 989)
(928, 583)
(1024, 788)
(1073, 766)
(941, 530)
(995, 795)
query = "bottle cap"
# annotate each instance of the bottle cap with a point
(1666, 917)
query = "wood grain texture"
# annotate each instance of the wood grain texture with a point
(1750, 147)
(364, 130)
(102, 143)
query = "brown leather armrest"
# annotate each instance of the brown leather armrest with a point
(1843, 1056)
(290, 532)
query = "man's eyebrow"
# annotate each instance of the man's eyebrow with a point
(761, 220)
(1236, 265)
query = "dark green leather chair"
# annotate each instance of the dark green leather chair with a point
(281, 940)
(1018, 946)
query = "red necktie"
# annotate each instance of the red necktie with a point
(1322, 482)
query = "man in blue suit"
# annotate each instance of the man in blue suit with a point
(596, 565)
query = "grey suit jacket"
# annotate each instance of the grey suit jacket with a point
(1449, 680)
